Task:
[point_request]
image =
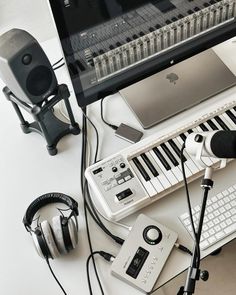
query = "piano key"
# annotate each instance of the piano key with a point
(221, 123)
(176, 149)
(233, 112)
(169, 154)
(234, 108)
(190, 131)
(168, 173)
(231, 116)
(161, 158)
(161, 176)
(187, 170)
(149, 165)
(141, 169)
(154, 180)
(193, 167)
(203, 127)
(146, 184)
(183, 136)
(212, 125)
(227, 121)
(217, 124)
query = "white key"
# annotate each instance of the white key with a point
(212, 240)
(204, 244)
(176, 171)
(220, 235)
(226, 122)
(169, 174)
(189, 163)
(146, 184)
(230, 229)
(154, 181)
(232, 126)
(162, 178)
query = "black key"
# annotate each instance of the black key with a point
(196, 8)
(128, 39)
(151, 29)
(212, 1)
(141, 33)
(235, 108)
(118, 44)
(157, 26)
(174, 19)
(111, 47)
(149, 164)
(183, 137)
(190, 131)
(180, 16)
(135, 36)
(189, 11)
(203, 127)
(176, 149)
(221, 123)
(168, 22)
(101, 51)
(95, 54)
(169, 154)
(206, 4)
(231, 115)
(161, 158)
(141, 169)
(212, 125)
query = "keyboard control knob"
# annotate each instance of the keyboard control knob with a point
(152, 235)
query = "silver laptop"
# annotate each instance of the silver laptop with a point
(177, 88)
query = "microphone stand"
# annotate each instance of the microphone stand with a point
(194, 273)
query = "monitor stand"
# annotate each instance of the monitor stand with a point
(177, 88)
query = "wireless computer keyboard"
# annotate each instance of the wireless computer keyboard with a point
(219, 220)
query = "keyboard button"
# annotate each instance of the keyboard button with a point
(230, 228)
(204, 244)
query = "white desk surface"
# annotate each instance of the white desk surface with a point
(27, 171)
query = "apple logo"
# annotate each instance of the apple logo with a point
(172, 77)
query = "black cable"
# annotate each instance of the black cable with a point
(57, 62)
(58, 67)
(56, 279)
(114, 127)
(105, 255)
(189, 204)
(83, 166)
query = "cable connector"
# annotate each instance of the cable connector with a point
(118, 240)
(107, 256)
(183, 248)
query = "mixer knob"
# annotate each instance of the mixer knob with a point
(152, 235)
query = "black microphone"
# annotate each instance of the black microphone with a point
(218, 144)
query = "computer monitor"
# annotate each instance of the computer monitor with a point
(111, 44)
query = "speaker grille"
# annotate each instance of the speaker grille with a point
(39, 80)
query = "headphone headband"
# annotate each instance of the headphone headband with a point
(45, 200)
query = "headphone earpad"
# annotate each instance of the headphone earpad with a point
(37, 245)
(73, 232)
(58, 234)
(49, 238)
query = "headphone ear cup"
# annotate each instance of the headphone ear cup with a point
(49, 239)
(73, 232)
(37, 245)
(58, 234)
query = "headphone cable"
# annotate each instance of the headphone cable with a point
(56, 279)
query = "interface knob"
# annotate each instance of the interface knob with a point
(152, 235)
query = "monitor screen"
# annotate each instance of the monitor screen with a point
(111, 44)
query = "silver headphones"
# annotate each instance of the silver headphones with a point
(62, 237)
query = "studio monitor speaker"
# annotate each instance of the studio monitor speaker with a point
(25, 68)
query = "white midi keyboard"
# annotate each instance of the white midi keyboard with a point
(150, 169)
(219, 220)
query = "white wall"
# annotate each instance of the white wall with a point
(31, 15)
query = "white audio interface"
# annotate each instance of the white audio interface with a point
(144, 253)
